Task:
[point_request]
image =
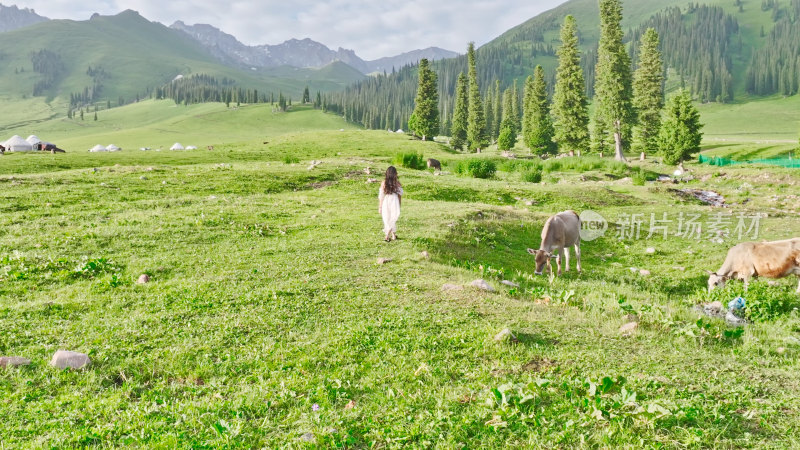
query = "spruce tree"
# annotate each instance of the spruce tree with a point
(570, 104)
(515, 107)
(488, 112)
(507, 138)
(527, 102)
(460, 114)
(613, 90)
(498, 110)
(680, 134)
(476, 123)
(426, 104)
(539, 137)
(648, 93)
(306, 96)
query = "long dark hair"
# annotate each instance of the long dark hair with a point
(391, 185)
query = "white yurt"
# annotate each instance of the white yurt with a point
(113, 148)
(98, 148)
(17, 144)
(177, 146)
(191, 147)
(33, 140)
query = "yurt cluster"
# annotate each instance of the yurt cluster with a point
(114, 148)
(33, 143)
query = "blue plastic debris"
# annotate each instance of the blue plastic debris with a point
(737, 303)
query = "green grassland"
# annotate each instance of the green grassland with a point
(267, 316)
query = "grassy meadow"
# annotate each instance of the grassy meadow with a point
(269, 322)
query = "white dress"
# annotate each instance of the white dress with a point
(390, 210)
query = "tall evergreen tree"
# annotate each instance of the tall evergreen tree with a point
(648, 93)
(507, 138)
(426, 104)
(613, 89)
(570, 105)
(460, 114)
(539, 131)
(488, 112)
(476, 124)
(680, 134)
(515, 107)
(498, 110)
(306, 96)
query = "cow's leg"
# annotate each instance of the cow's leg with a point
(566, 258)
(746, 282)
(798, 284)
(578, 256)
(558, 260)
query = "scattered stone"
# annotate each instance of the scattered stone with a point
(368, 171)
(382, 261)
(308, 437)
(734, 321)
(781, 350)
(792, 340)
(482, 285)
(143, 279)
(644, 273)
(371, 180)
(452, 287)
(14, 361)
(143, 178)
(628, 329)
(650, 251)
(425, 254)
(509, 283)
(530, 203)
(680, 268)
(633, 269)
(505, 335)
(63, 359)
(713, 308)
(350, 405)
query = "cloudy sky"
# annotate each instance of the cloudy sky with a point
(373, 28)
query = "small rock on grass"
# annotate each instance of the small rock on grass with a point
(505, 335)
(143, 279)
(14, 361)
(425, 254)
(713, 308)
(308, 437)
(382, 261)
(650, 250)
(644, 272)
(63, 359)
(509, 283)
(734, 321)
(452, 287)
(629, 328)
(482, 285)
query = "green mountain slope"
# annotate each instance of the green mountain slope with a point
(123, 57)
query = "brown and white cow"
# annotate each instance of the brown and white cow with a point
(747, 260)
(559, 233)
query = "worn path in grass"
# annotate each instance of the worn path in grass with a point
(268, 317)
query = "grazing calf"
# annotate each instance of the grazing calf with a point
(747, 260)
(435, 164)
(211, 147)
(559, 233)
(2, 150)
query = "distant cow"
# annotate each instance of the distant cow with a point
(559, 233)
(53, 148)
(747, 260)
(435, 164)
(2, 149)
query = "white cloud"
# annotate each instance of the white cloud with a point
(373, 29)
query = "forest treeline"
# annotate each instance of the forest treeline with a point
(698, 42)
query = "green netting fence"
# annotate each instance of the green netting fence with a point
(720, 161)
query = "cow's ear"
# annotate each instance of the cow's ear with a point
(709, 272)
(531, 251)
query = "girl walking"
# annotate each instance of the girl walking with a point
(389, 199)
